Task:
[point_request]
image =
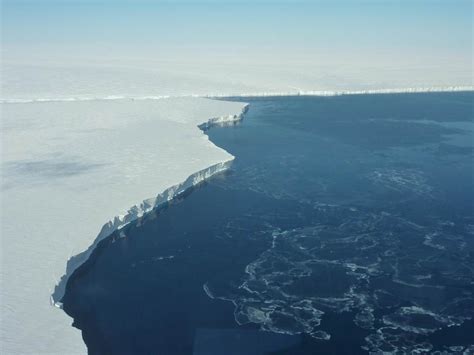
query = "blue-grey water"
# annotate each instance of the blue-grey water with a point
(345, 226)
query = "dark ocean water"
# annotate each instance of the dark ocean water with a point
(345, 225)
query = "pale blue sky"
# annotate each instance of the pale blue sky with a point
(425, 23)
(340, 29)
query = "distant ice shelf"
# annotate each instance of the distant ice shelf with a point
(350, 92)
(245, 94)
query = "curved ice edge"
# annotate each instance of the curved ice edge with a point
(139, 210)
(249, 94)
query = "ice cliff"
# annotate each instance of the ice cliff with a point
(401, 90)
(148, 205)
(133, 214)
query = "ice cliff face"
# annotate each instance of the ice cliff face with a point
(133, 214)
(243, 94)
(148, 205)
(406, 90)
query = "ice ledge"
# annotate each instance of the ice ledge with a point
(146, 206)
(249, 94)
(350, 92)
(224, 120)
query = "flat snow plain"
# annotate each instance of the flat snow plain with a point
(67, 169)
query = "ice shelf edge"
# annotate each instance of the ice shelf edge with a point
(139, 210)
(407, 90)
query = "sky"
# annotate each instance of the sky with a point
(304, 27)
(429, 37)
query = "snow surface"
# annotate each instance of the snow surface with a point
(49, 81)
(68, 168)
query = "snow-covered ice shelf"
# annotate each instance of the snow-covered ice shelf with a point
(408, 90)
(46, 80)
(68, 168)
